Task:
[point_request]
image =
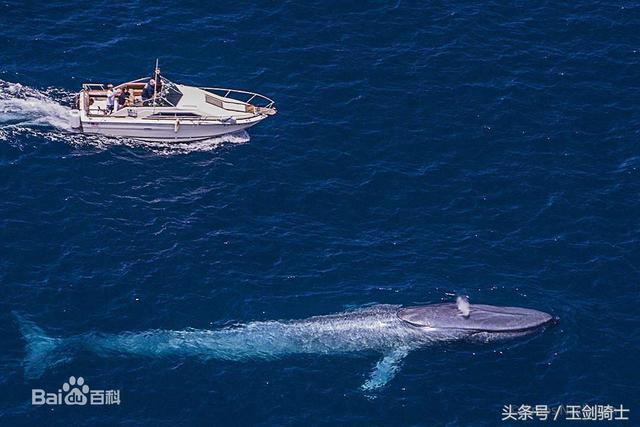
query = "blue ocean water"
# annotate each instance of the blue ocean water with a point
(421, 150)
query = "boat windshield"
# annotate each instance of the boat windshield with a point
(169, 95)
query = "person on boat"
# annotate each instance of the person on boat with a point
(156, 77)
(110, 99)
(147, 92)
(121, 98)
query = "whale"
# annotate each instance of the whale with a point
(390, 331)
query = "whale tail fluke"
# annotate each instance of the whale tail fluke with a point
(41, 351)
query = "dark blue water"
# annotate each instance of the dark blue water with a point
(421, 150)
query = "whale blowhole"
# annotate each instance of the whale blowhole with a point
(463, 306)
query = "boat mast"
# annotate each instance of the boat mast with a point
(156, 74)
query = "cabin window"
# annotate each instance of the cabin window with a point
(173, 95)
(213, 101)
(174, 114)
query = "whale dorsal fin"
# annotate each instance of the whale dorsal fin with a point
(385, 369)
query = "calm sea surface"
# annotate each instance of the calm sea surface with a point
(421, 150)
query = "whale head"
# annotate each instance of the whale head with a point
(475, 318)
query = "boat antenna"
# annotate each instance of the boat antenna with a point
(156, 75)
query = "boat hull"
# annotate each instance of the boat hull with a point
(162, 132)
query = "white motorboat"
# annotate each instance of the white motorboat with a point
(175, 113)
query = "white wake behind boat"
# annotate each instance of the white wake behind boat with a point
(177, 112)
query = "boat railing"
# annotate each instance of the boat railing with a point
(94, 87)
(241, 97)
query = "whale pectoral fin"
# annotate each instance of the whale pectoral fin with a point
(385, 369)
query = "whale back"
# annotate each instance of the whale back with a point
(479, 317)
